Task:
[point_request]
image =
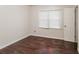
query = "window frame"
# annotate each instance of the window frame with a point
(61, 26)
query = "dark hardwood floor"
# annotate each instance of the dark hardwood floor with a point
(40, 45)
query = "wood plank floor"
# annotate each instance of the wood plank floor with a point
(40, 45)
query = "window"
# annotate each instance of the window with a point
(50, 18)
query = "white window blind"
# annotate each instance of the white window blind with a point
(43, 19)
(55, 19)
(50, 19)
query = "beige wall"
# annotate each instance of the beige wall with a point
(78, 28)
(76, 24)
(34, 28)
(13, 24)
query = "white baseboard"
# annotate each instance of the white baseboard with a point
(13, 42)
(46, 36)
(51, 37)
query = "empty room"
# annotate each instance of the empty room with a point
(39, 29)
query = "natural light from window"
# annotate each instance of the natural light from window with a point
(50, 19)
